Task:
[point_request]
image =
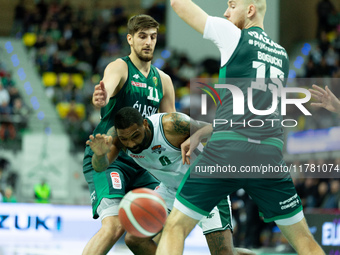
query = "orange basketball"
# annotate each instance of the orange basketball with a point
(142, 212)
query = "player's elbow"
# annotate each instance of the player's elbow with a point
(180, 7)
(175, 4)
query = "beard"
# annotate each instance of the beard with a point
(142, 56)
(142, 146)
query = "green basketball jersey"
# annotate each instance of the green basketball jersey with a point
(258, 63)
(143, 93)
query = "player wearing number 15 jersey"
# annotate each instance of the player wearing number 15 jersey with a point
(250, 53)
(256, 69)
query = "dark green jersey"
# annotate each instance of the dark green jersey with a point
(143, 93)
(261, 64)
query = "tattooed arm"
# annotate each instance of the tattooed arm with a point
(179, 126)
(106, 149)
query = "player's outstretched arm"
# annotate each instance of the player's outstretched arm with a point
(105, 148)
(325, 98)
(99, 95)
(191, 13)
(192, 142)
(115, 75)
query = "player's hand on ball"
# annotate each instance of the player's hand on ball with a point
(100, 144)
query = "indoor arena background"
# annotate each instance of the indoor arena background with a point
(53, 53)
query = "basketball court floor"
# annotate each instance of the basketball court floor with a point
(74, 248)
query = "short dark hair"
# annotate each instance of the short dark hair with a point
(141, 21)
(128, 116)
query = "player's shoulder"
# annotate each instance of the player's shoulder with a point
(175, 118)
(162, 74)
(117, 65)
(166, 79)
(221, 25)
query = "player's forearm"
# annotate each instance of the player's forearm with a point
(100, 163)
(179, 5)
(204, 132)
(196, 125)
(191, 13)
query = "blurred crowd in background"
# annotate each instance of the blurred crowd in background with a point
(71, 51)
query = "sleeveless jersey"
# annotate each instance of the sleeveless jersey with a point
(143, 93)
(161, 158)
(260, 63)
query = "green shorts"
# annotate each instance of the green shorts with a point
(219, 219)
(276, 198)
(121, 176)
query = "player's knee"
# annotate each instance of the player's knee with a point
(176, 227)
(113, 233)
(118, 232)
(132, 241)
(112, 228)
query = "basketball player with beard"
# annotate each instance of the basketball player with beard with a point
(128, 81)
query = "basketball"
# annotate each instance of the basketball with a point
(142, 212)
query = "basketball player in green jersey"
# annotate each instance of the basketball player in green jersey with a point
(128, 81)
(155, 144)
(248, 53)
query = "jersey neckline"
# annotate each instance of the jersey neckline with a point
(146, 77)
(255, 27)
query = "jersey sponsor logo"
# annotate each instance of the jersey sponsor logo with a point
(136, 76)
(290, 202)
(136, 156)
(265, 39)
(210, 215)
(116, 181)
(157, 149)
(139, 84)
(268, 47)
(155, 80)
(93, 196)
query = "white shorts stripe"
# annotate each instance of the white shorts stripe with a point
(187, 211)
(291, 220)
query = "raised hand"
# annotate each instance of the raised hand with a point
(100, 144)
(325, 98)
(99, 95)
(186, 152)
